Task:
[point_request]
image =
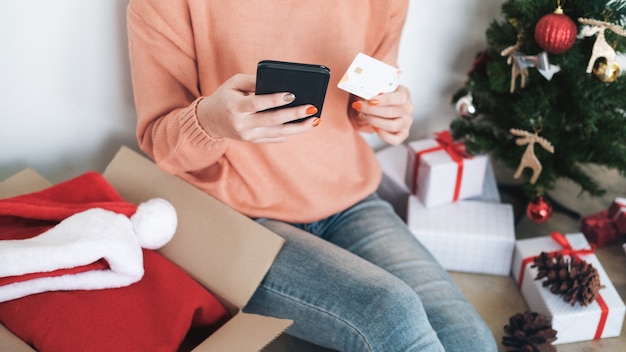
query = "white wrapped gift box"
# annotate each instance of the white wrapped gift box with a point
(602, 318)
(436, 178)
(393, 188)
(466, 236)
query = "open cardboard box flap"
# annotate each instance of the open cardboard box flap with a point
(223, 250)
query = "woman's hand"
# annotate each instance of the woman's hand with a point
(391, 114)
(234, 111)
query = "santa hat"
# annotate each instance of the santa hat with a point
(77, 235)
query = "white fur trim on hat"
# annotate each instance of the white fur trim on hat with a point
(155, 223)
(79, 240)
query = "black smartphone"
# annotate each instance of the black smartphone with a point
(308, 82)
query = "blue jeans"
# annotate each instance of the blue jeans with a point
(360, 281)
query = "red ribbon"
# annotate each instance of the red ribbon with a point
(568, 250)
(455, 150)
(616, 209)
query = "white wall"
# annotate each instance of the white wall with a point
(66, 103)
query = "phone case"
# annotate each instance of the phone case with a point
(307, 82)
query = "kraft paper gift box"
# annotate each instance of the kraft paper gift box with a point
(601, 319)
(617, 212)
(439, 172)
(466, 236)
(393, 188)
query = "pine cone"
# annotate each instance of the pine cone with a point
(575, 279)
(588, 283)
(529, 332)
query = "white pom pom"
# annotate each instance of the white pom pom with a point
(155, 223)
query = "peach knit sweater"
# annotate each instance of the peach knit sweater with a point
(182, 50)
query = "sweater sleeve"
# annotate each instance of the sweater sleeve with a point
(165, 87)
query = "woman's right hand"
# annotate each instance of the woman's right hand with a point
(234, 111)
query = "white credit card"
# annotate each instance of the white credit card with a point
(368, 77)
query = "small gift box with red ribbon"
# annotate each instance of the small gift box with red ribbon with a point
(600, 229)
(602, 318)
(466, 236)
(440, 171)
(617, 212)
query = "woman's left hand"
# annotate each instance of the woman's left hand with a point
(391, 114)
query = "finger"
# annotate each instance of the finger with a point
(392, 138)
(285, 115)
(268, 101)
(242, 82)
(400, 96)
(279, 133)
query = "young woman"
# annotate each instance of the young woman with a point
(351, 275)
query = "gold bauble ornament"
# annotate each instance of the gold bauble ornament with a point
(606, 75)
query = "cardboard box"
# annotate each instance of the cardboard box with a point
(393, 188)
(572, 323)
(432, 174)
(466, 236)
(223, 250)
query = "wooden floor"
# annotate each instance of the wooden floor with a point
(497, 298)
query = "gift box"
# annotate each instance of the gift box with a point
(601, 319)
(439, 171)
(466, 236)
(617, 212)
(393, 188)
(600, 229)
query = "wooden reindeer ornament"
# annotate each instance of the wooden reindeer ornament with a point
(515, 68)
(529, 159)
(601, 49)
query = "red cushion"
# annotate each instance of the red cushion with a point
(154, 314)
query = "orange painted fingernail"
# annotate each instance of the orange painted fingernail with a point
(374, 102)
(357, 106)
(311, 110)
(377, 129)
(316, 122)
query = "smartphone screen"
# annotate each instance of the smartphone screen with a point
(307, 82)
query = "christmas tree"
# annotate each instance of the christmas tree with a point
(546, 98)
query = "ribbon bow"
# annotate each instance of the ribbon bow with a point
(540, 61)
(455, 150)
(567, 248)
(457, 153)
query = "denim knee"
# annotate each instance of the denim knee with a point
(392, 318)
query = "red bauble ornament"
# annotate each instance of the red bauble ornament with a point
(539, 210)
(556, 32)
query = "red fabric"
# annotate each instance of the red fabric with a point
(87, 191)
(98, 265)
(154, 314)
